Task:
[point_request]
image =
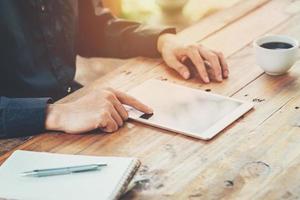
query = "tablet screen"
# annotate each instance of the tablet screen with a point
(180, 108)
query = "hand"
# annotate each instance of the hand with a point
(210, 65)
(98, 109)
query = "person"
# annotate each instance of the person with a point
(39, 43)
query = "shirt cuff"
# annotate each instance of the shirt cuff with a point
(129, 39)
(153, 39)
(22, 116)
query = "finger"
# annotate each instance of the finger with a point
(103, 122)
(120, 109)
(224, 65)
(178, 66)
(131, 101)
(194, 55)
(111, 125)
(213, 59)
(183, 59)
(116, 116)
(117, 104)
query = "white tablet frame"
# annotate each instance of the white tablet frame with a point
(211, 132)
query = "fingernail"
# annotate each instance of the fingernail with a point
(186, 75)
(220, 78)
(206, 79)
(226, 73)
(150, 110)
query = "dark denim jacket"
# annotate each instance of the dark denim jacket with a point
(39, 41)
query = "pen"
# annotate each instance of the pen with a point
(63, 170)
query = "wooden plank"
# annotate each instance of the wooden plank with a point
(8, 144)
(219, 20)
(248, 166)
(285, 185)
(241, 33)
(273, 93)
(90, 69)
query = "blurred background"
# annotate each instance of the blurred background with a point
(178, 13)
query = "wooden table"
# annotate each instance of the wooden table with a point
(258, 157)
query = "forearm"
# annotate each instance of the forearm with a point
(134, 40)
(106, 36)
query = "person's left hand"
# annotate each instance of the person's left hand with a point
(210, 65)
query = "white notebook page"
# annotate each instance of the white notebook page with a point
(96, 185)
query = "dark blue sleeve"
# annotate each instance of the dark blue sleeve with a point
(106, 36)
(22, 116)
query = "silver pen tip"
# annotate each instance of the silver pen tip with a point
(27, 173)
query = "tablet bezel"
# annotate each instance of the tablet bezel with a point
(209, 133)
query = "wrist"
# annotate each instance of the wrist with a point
(53, 117)
(163, 39)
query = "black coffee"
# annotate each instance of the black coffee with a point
(276, 45)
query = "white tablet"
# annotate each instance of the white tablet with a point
(185, 110)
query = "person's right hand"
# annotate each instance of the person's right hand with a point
(101, 109)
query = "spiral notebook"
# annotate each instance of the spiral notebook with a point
(109, 183)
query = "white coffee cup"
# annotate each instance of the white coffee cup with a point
(276, 61)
